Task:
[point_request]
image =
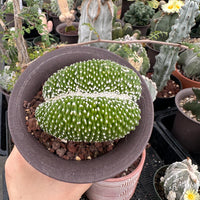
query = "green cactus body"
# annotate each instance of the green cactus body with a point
(139, 14)
(190, 62)
(162, 22)
(179, 178)
(91, 101)
(168, 56)
(194, 106)
(117, 32)
(127, 29)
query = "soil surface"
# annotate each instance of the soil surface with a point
(67, 150)
(170, 90)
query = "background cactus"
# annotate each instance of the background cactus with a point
(138, 14)
(99, 15)
(190, 62)
(119, 31)
(89, 101)
(168, 56)
(194, 106)
(135, 53)
(179, 178)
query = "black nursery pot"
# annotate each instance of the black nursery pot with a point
(185, 129)
(164, 103)
(85, 171)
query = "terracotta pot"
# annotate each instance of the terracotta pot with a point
(117, 188)
(186, 82)
(85, 171)
(185, 129)
(69, 38)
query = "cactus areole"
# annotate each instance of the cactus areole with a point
(91, 101)
(124, 92)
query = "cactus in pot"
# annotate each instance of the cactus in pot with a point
(194, 105)
(91, 101)
(139, 14)
(190, 61)
(168, 56)
(179, 178)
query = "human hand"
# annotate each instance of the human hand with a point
(26, 183)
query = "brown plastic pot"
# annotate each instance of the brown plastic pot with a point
(87, 171)
(69, 38)
(185, 129)
(121, 188)
(186, 82)
(142, 29)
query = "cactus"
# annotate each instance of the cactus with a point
(190, 61)
(93, 100)
(118, 31)
(194, 106)
(168, 56)
(179, 178)
(138, 14)
(131, 52)
(162, 22)
(99, 15)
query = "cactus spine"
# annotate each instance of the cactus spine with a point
(93, 100)
(179, 178)
(168, 56)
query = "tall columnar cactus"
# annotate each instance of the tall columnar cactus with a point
(94, 100)
(179, 178)
(98, 14)
(168, 56)
(194, 106)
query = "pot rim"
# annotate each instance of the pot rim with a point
(61, 25)
(135, 171)
(87, 171)
(181, 95)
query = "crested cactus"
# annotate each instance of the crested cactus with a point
(168, 56)
(99, 15)
(194, 105)
(190, 61)
(134, 53)
(179, 178)
(139, 14)
(91, 101)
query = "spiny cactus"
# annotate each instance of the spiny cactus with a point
(132, 51)
(91, 101)
(179, 178)
(138, 14)
(194, 106)
(190, 62)
(168, 56)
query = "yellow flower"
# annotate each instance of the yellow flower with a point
(191, 195)
(172, 6)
